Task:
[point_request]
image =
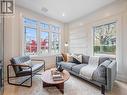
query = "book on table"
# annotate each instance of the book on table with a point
(56, 75)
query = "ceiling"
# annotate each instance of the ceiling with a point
(64, 10)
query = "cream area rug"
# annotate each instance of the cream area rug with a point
(74, 86)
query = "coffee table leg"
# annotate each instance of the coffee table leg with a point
(60, 87)
(46, 84)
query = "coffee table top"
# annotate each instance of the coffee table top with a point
(47, 77)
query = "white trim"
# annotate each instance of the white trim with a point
(121, 77)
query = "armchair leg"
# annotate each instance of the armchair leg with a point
(21, 84)
(102, 89)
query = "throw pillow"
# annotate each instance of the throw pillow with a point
(105, 63)
(69, 58)
(77, 58)
(64, 55)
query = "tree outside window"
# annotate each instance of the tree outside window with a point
(105, 39)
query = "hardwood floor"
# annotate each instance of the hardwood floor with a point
(74, 86)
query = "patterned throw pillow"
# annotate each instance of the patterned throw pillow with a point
(77, 58)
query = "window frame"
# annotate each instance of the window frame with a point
(94, 29)
(24, 38)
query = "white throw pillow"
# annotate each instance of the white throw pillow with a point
(77, 57)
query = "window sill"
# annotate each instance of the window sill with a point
(44, 55)
(105, 55)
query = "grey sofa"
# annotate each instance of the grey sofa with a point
(104, 75)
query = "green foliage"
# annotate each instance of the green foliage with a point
(105, 49)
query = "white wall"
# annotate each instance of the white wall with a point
(80, 33)
(13, 34)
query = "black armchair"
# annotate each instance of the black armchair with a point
(16, 64)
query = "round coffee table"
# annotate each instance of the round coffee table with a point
(48, 80)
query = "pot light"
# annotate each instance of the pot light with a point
(63, 14)
(43, 9)
(107, 14)
(81, 24)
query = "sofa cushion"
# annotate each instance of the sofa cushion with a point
(85, 59)
(19, 60)
(67, 65)
(77, 68)
(36, 66)
(22, 59)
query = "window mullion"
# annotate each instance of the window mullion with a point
(38, 38)
(50, 41)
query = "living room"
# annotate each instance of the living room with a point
(67, 36)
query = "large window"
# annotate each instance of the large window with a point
(105, 39)
(30, 37)
(40, 38)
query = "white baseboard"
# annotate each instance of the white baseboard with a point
(122, 77)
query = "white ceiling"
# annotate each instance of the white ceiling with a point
(72, 9)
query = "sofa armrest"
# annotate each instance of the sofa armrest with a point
(59, 58)
(111, 74)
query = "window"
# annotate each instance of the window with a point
(105, 39)
(30, 37)
(55, 39)
(40, 38)
(44, 26)
(44, 42)
(30, 22)
(55, 42)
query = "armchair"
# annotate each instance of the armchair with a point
(30, 71)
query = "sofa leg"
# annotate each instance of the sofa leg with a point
(102, 89)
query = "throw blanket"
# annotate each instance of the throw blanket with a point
(87, 71)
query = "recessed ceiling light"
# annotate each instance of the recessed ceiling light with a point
(81, 24)
(107, 14)
(63, 14)
(43, 9)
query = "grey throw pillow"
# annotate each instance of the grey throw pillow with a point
(100, 73)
